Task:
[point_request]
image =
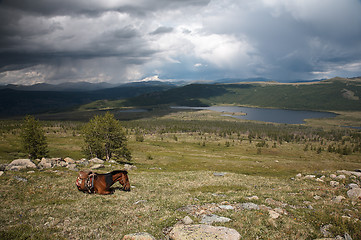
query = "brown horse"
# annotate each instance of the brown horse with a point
(91, 182)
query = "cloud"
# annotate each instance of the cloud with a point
(120, 41)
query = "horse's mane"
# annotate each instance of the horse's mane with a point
(119, 171)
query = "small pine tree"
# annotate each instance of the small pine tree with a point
(105, 137)
(33, 138)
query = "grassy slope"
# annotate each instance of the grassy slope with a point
(49, 206)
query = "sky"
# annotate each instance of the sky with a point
(119, 41)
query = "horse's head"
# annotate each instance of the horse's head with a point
(82, 179)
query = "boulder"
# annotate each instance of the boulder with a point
(201, 231)
(45, 163)
(69, 160)
(19, 164)
(96, 160)
(139, 236)
(354, 193)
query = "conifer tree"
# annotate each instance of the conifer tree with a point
(33, 138)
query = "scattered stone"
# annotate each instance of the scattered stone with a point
(69, 160)
(333, 176)
(319, 180)
(252, 198)
(19, 164)
(325, 230)
(280, 211)
(31, 172)
(273, 214)
(1, 173)
(20, 179)
(83, 162)
(310, 177)
(226, 207)
(96, 160)
(129, 167)
(334, 183)
(347, 236)
(299, 175)
(139, 236)
(249, 206)
(97, 166)
(190, 232)
(338, 199)
(275, 203)
(316, 197)
(354, 193)
(219, 174)
(211, 218)
(45, 163)
(353, 185)
(72, 167)
(341, 177)
(187, 220)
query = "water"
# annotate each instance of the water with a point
(267, 115)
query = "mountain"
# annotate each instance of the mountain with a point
(62, 87)
(19, 102)
(331, 94)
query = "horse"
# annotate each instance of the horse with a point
(91, 182)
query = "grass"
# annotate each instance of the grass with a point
(175, 169)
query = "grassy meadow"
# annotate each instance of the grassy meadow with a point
(176, 156)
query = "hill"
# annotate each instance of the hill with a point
(331, 94)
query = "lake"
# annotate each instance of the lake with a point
(266, 114)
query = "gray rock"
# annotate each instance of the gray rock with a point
(353, 185)
(97, 166)
(211, 218)
(226, 207)
(191, 232)
(219, 174)
(69, 160)
(20, 179)
(187, 220)
(45, 163)
(334, 183)
(325, 230)
(138, 236)
(338, 199)
(83, 162)
(354, 193)
(19, 164)
(129, 167)
(249, 206)
(96, 160)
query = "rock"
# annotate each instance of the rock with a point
(353, 185)
(187, 220)
(97, 166)
(190, 232)
(69, 160)
(299, 175)
(249, 206)
(354, 193)
(275, 202)
(252, 198)
(219, 174)
(31, 172)
(273, 214)
(45, 163)
(325, 230)
(20, 179)
(19, 164)
(72, 167)
(129, 167)
(309, 177)
(338, 199)
(226, 207)
(211, 218)
(347, 236)
(333, 176)
(83, 162)
(341, 177)
(139, 236)
(316, 197)
(96, 160)
(334, 183)
(1, 173)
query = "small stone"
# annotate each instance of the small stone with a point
(201, 231)
(129, 167)
(299, 175)
(309, 177)
(252, 198)
(1, 173)
(316, 197)
(341, 177)
(333, 176)
(31, 172)
(353, 185)
(69, 160)
(338, 199)
(20, 179)
(187, 220)
(334, 183)
(226, 207)
(273, 214)
(139, 236)
(219, 174)
(249, 206)
(211, 218)
(325, 230)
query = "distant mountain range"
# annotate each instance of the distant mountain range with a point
(331, 94)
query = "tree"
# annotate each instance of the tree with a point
(105, 137)
(33, 138)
